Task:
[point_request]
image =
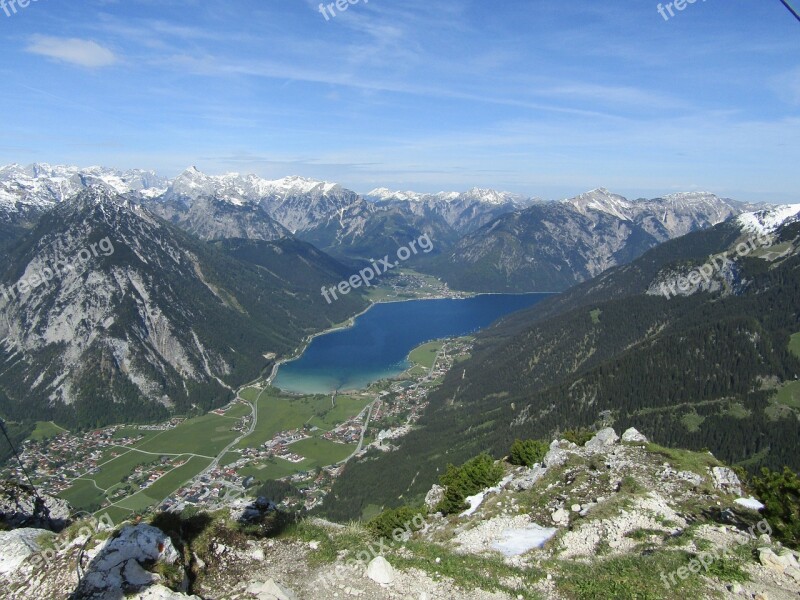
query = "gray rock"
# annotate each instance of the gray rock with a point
(771, 561)
(794, 573)
(604, 439)
(632, 435)
(17, 545)
(270, 590)
(434, 496)
(726, 481)
(159, 592)
(380, 571)
(560, 517)
(20, 507)
(528, 479)
(691, 477)
(119, 564)
(555, 457)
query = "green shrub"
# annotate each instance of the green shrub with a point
(527, 453)
(780, 493)
(405, 517)
(467, 480)
(578, 436)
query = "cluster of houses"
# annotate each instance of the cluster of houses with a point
(54, 462)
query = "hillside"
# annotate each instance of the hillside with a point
(139, 319)
(552, 246)
(711, 369)
(604, 520)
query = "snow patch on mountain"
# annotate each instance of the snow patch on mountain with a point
(767, 221)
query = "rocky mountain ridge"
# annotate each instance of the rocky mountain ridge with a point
(614, 518)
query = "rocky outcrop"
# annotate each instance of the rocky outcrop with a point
(21, 506)
(602, 440)
(17, 545)
(633, 436)
(434, 496)
(726, 481)
(122, 565)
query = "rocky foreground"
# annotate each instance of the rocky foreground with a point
(612, 519)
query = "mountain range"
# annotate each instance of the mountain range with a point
(485, 240)
(212, 278)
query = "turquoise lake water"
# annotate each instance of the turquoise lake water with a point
(378, 345)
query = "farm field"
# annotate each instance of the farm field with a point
(794, 345)
(46, 430)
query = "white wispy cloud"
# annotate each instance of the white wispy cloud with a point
(75, 51)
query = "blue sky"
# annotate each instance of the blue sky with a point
(544, 98)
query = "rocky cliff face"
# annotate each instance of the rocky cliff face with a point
(616, 518)
(105, 307)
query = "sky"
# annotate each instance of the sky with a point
(542, 98)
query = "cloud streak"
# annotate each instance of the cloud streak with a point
(74, 51)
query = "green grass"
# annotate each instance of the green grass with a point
(469, 572)
(82, 494)
(425, 355)
(595, 315)
(174, 479)
(686, 460)
(737, 410)
(113, 472)
(165, 486)
(206, 435)
(789, 395)
(322, 452)
(346, 407)
(794, 345)
(282, 413)
(238, 410)
(628, 578)
(250, 394)
(45, 430)
(116, 513)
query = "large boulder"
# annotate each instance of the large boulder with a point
(380, 571)
(726, 481)
(434, 496)
(633, 436)
(20, 506)
(555, 457)
(19, 544)
(604, 439)
(529, 478)
(121, 566)
(159, 592)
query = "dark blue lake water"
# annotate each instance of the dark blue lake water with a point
(378, 345)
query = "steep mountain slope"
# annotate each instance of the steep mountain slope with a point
(709, 367)
(463, 212)
(110, 314)
(211, 218)
(553, 246)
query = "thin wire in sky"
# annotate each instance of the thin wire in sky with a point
(792, 9)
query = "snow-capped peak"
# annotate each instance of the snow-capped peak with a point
(764, 222)
(602, 200)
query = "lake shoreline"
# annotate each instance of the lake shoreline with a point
(351, 322)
